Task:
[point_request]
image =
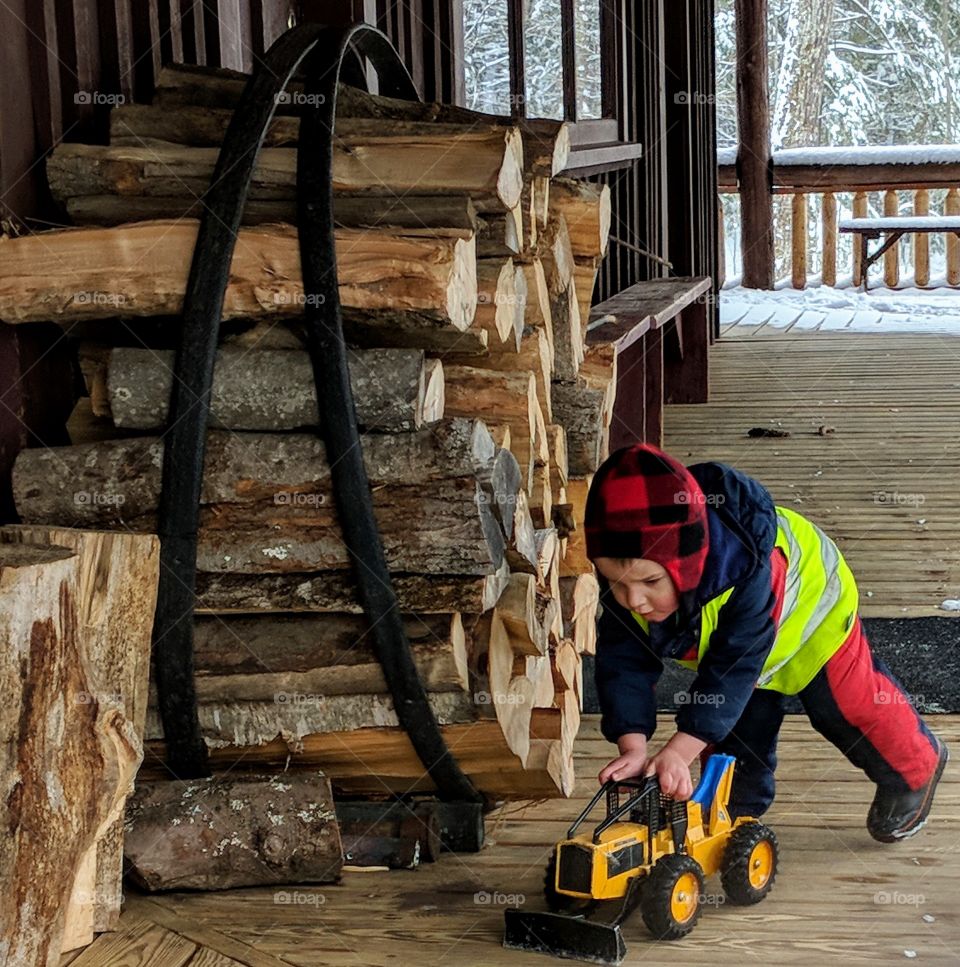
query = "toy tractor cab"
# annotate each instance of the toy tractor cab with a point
(650, 851)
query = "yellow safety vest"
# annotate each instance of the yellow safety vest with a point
(819, 607)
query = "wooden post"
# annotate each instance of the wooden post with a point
(754, 160)
(688, 378)
(859, 211)
(798, 230)
(630, 418)
(891, 261)
(921, 241)
(721, 245)
(653, 386)
(828, 215)
(952, 207)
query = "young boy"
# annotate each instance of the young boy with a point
(698, 565)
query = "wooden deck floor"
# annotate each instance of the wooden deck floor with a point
(884, 480)
(839, 897)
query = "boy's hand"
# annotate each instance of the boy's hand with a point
(672, 765)
(673, 773)
(630, 762)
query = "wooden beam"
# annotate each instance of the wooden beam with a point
(755, 168)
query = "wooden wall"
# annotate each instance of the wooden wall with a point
(65, 63)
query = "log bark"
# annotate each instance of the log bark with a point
(267, 505)
(274, 389)
(368, 157)
(580, 409)
(294, 715)
(224, 832)
(118, 575)
(253, 658)
(70, 754)
(443, 216)
(569, 335)
(120, 479)
(336, 591)
(91, 273)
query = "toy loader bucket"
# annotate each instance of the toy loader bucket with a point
(562, 935)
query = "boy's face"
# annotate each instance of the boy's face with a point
(640, 585)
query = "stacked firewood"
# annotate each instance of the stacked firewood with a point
(466, 268)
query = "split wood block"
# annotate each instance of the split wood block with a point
(586, 208)
(77, 752)
(576, 561)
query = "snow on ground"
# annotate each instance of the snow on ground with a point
(908, 309)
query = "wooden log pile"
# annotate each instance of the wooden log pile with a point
(466, 267)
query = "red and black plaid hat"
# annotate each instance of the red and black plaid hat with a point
(644, 503)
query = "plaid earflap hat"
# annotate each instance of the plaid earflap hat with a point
(644, 503)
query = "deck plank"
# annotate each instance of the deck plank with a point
(838, 894)
(882, 483)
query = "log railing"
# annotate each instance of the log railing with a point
(827, 184)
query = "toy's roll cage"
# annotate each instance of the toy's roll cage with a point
(646, 800)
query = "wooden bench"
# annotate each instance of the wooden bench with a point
(660, 333)
(894, 228)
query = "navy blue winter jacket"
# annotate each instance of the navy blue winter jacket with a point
(743, 529)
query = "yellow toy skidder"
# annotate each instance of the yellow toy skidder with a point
(650, 851)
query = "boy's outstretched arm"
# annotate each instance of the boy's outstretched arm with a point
(626, 673)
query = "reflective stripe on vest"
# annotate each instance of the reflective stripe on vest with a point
(819, 607)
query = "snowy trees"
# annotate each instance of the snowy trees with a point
(883, 72)
(487, 57)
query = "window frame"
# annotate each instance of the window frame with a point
(597, 144)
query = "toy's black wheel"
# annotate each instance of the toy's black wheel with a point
(749, 863)
(561, 902)
(671, 896)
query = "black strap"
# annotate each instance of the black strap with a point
(322, 50)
